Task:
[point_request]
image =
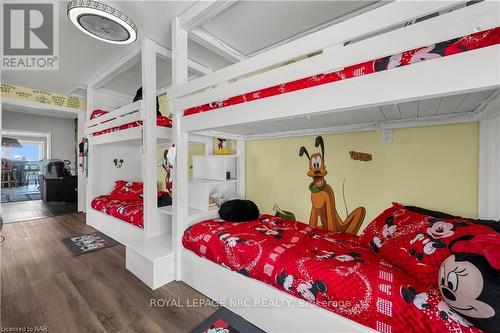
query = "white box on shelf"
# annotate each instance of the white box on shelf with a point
(214, 167)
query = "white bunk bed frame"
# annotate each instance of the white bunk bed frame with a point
(436, 78)
(147, 136)
(149, 251)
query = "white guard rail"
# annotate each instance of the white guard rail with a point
(124, 115)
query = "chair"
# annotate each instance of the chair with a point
(8, 176)
(16, 174)
(32, 171)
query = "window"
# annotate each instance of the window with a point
(29, 151)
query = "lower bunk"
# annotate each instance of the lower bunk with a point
(116, 228)
(269, 309)
(119, 214)
(311, 280)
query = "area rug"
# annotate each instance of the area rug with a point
(17, 197)
(87, 243)
(225, 321)
(35, 196)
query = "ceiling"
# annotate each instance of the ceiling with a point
(130, 80)
(82, 57)
(250, 26)
(247, 26)
(420, 109)
(42, 111)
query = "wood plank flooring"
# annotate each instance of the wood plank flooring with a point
(35, 209)
(42, 284)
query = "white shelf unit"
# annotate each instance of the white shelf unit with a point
(214, 167)
(201, 189)
(210, 174)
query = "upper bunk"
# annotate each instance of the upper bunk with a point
(114, 116)
(125, 126)
(418, 62)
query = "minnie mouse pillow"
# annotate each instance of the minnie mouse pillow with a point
(417, 243)
(127, 191)
(469, 280)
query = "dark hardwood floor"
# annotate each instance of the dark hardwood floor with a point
(35, 209)
(42, 284)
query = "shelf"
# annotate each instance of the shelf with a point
(153, 248)
(211, 181)
(166, 210)
(191, 213)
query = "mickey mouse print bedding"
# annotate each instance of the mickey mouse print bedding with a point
(339, 272)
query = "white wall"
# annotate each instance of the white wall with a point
(489, 165)
(63, 131)
(106, 173)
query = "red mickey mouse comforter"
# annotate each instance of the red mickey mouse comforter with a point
(128, 211)
(332, 270)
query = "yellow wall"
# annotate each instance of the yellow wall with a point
(432, 167)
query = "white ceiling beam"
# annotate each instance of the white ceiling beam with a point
(192, 64)
(489, 106)
(201, 12)
(214, 44)
(198, 68)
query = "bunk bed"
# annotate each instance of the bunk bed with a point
(121, 198)
(256, 98)
(118, 129)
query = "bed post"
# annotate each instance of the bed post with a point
(489, 161)
(148, 62)
(87, 174)
(180, 196)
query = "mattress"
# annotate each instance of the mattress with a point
(162, 121)
(332, 270)
(128, 211)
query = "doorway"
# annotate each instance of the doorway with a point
(21, 152)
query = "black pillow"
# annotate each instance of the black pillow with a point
(433, 213)
(495, 225)
(239, 211)
(138, 96)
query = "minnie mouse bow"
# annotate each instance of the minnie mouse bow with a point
(487, 246)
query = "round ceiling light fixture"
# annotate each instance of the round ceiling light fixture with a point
(102, 22)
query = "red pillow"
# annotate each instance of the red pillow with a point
(127, 191)
(97, 113)
(417, 243)
(163, 121)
